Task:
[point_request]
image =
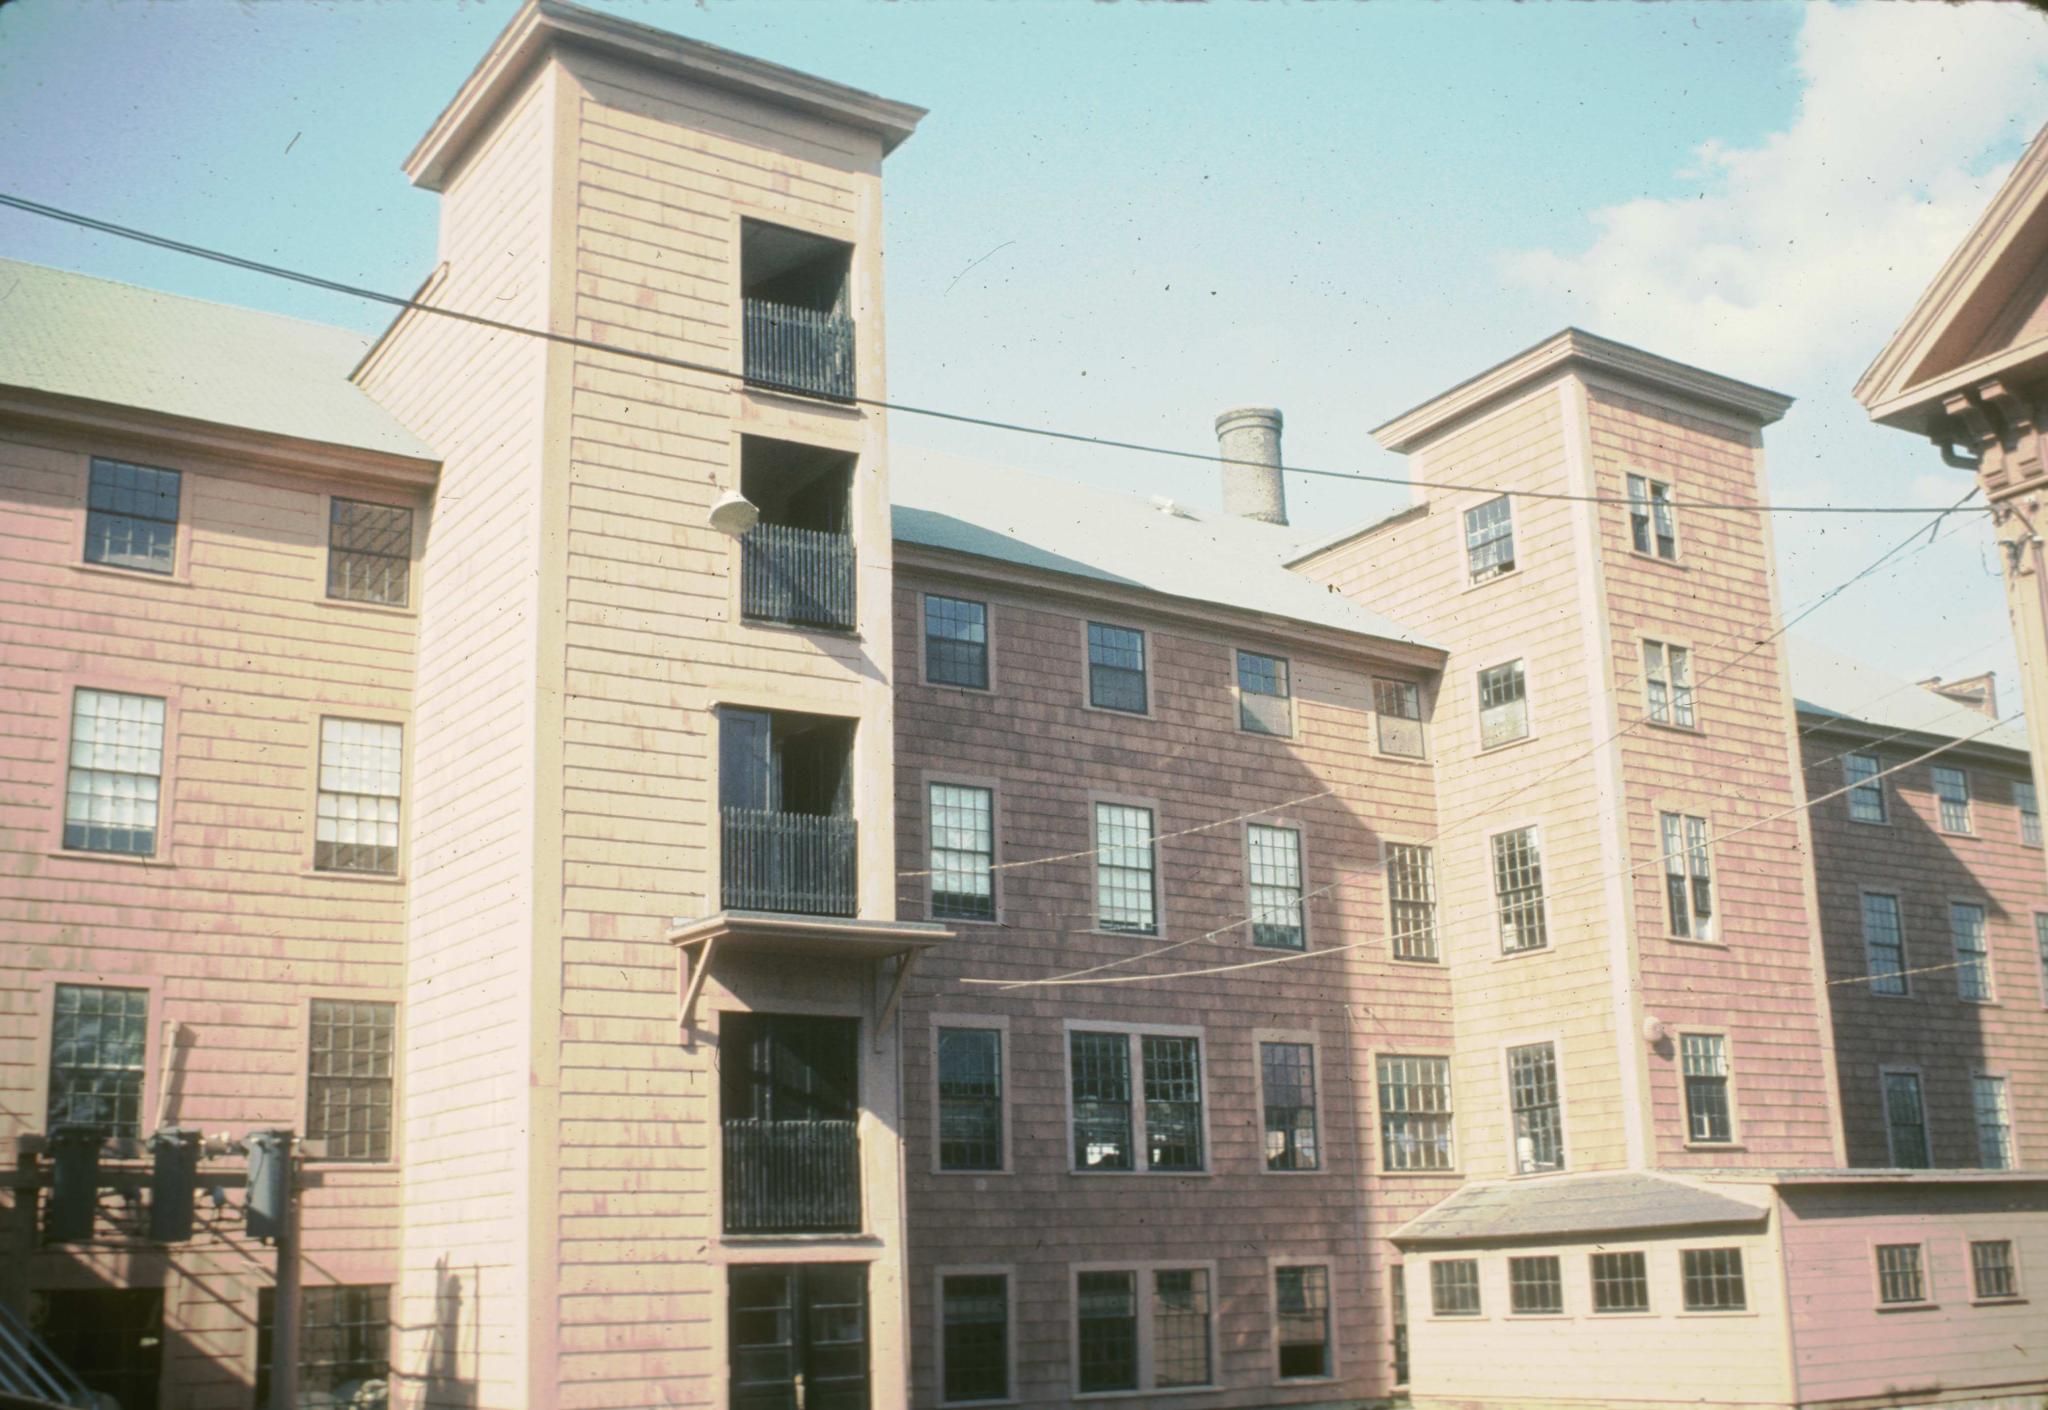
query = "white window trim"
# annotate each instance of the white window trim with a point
(1493, 893)
(1983, 905)
(1649, 1281)
(1926, 1298)
(2019, 1273)
(1555, 1039)
(402, 871)
(988, 626)
(1643, 645)
(1006, 1271)
(1480, 746)
(1877, 781)
(366, 494)
(1140, 1156)
(1479, 1270)
(1704, 815)
(1001, 1024)
(1743, 1251)
(1628, 522)
(927, 779)
(1293, 730)
(65, 688)
(1145, 634)
(1507, 1285)
(1473, 584)
(1314, 1043)
(1095, 925)
(1734, 1141)
(1142, 1271)
(1388, 842)
(1884, 1111)
(1274, 1263)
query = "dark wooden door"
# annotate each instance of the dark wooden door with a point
(798, 1337)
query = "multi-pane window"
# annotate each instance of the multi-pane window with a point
(356, 828)
(1106, 1305)
(1279, 919)
(1667, 683)
(1288, 1074)
(1973, 954)
(1992, 1270)
(1713, 1279)
(116, 773)
(1866, 790)
(1621, 1282)
(2029, 805)
(351, 1076)
(1518, 891)
(1397, 1297)
(975, 1320)
(1180, 1327)
(955, 642)
(1952, 792)
(344, 1342)
(1884, 944)
(1116, 668)
(1411, 901)
(1265, 703)
(963, 852)
(1124, 895)
(1171, 1069)
(131, 516)
(1688, 876)
(1535, 1285)
(1703, 1059)
(1900, 1277)
(1398, 707)
(1301, 1305)
(1994, 1122)
(369, 552)
(99, 1039)
(1651, 525)
(1454, 1287)
(970, 1099)
(1532, 1099)
(1490, 539)
(1415, 1113)
(1905, 1121)
(1503, 705)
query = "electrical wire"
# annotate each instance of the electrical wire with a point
(336, 286)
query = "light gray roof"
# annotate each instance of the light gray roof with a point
(1035, 521)
(77, 336)
(1825, 682)
(1574, 1205)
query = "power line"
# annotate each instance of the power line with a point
(335, 286)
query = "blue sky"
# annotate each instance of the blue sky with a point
(1338, 209)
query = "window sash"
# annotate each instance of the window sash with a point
(1973, 955)
(131, 516)
(344, 1338)
(1712, 1278)
(2024, 799)
(99, 1046)
(1866, 790)
(1397, 707)
(114, 782)
(1704, 1064)
(1173, 1101)
(356, 823)
(1301, 1306)
(1125, 878)
(1411, 901)
(1535, 1285)
(1621, 1282)
(1417, 1126)
(1900, 1277)
(1952, 790)
(1534, 1104)
(1116, 669)
(1101, 1094)
(955, 642)
(1884, 944)
(369, 552)
(351, 1076)
(963, 852)
(1265, 702)
(1279, 917)
(1653, 526)
(1503, 705)
(1288, 1083)
(1905, 1121)
(1454, 1287)
(1180, 1327)
(1994, 1122)
(1993, 1274)
(1667, 684)
(1518, 891)
(1688, 876)
(970, 1096)
(1489, 540)
(1106, 1314)
(974, 1317)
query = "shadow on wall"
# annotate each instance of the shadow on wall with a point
(444, 1383)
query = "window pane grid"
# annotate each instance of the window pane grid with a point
(1278, 917)
(351, 1078)
(369, 552)
(1994, 1123)
(1398, 706)
(963, 852)
(1621, 1282)
(1415, 1113)
(1973, 957)
(111, 791)
(1688, 876)
(1173, 1102)
(1289, 1077)
(1180, 1327)
(1503, 705)
(1884, 944)
(1952, 790)
(99, 1041)
(1535, 1285)
(2030, 813)
(955, 642)
(1116, 668)
(1411, 891)
(1866, 790)
(1533, 1099)
(1704, 1060)
(356, 827)
(1905, 1120)
(970, 1099)
(976, 1317)
(1264, 697)
(1667, 683)
(1454, 1287)
(1713, 1280)
(1992, 1272)
(1652, 526)
(344, 1340)
(1108, 1317)
(1518, 890)
(1899, 1276)
(1123, 869)
(1102, 1100)
(1490, 539)
(131, 516)
(1301, 1301)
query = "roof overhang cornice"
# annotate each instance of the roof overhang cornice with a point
(542, 24)
(1917, 741)
(115, 427)
(1577, 350)
(1089, 594)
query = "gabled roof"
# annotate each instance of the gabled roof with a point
(1575, 1205)
(1825, 682)
(1033, 521)
(73, 335)
(1975, 319)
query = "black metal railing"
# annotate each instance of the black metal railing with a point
(775, 861)
(799, 349)
(800, 576)
(792, 1177)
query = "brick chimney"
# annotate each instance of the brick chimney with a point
(1979, 693)
(1248, 439)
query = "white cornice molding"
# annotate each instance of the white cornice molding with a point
(541, 23)
(1572, 349)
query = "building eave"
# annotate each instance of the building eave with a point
(1573, 349)
(542, 23)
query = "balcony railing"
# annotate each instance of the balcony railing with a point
(799, 349)
(774, 861)
(800, 576)
(792, 1177)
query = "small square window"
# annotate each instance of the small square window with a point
(1621, 1282)
(1503, 705)
(1265, 703)
(1454, 1287)
(1993, 1273)
(1398, 708)
(1899, 1275)
(1713, 1280)
(1116, 669)
(1535, 1286)
(131, 516)
(369, 552)
(955, 642)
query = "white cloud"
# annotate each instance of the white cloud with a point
(1796, 258)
